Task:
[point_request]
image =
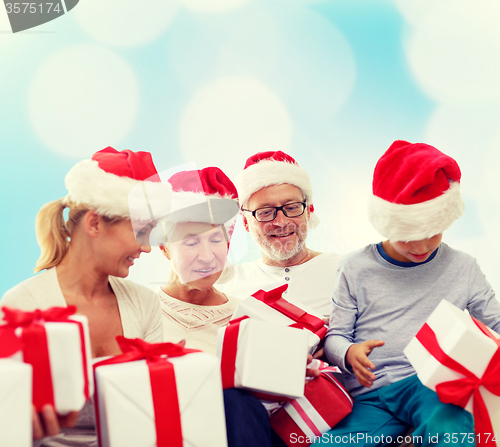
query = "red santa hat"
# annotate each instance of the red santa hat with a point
(119, 184)
(416, 192)
(206, 195)
(274, 168)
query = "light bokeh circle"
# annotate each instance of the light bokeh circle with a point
(82, 99)
(230, 117)
(454, 52)
(315, 68)
(212, 6)
(491, 170)
(415, 12)
(126, 22)
(463, 130)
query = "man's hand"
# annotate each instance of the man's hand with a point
(48, 423)
(311, 372)
(357, 357)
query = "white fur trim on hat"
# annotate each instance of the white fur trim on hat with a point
(184, 199)
(273, 172)
(115, 196)
(419, 221)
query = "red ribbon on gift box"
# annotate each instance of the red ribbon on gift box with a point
(33, 343)
(459, 391)
(229, 351)
(303, 320)
(324, 404)
(163, 385)
(228, 360)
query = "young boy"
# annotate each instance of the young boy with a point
(385, 292)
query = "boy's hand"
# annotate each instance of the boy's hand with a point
(357, 357)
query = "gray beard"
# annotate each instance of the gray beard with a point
(278, 254)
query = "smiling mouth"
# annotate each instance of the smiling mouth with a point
(421, 255)
(205, 272)
(282, 234)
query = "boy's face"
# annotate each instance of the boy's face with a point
(413, 251)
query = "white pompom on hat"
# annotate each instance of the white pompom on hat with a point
(274, 168)
(119, 184)
(416, 192)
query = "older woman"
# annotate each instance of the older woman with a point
(113, 200)
(195, 238)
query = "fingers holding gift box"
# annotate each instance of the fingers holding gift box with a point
(263, 357)
(56, 344)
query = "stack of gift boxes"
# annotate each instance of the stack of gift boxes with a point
(163, 394)
(45, 360)
(264, 350)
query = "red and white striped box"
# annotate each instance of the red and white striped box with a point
(301, 421)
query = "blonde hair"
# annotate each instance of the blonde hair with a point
(53, 233)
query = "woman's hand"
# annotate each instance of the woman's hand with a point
(48, 423)
(357, 357)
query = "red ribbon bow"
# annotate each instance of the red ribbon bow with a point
(33, 343)
(20, 318)
(14, 318)
(163, 385)
(303, 320)
(459, 391)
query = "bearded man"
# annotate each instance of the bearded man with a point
(275, 195)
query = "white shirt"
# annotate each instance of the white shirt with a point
(310, 283)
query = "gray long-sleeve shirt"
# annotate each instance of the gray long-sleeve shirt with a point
(376, 299)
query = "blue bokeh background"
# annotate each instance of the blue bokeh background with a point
(211, 82)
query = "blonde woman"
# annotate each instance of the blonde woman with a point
(113, 201)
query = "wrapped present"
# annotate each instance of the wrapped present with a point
(15, 403)
(262, 357)
(56, 344)
(273, 308)
(325, 403)
(159, 395)
(459, 358)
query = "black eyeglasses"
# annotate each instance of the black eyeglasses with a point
(269, 213)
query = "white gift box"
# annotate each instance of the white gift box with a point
(270, 358)
(254, 308)
(126, 414)
(69, 369)
(462, 340)
(15, 404)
